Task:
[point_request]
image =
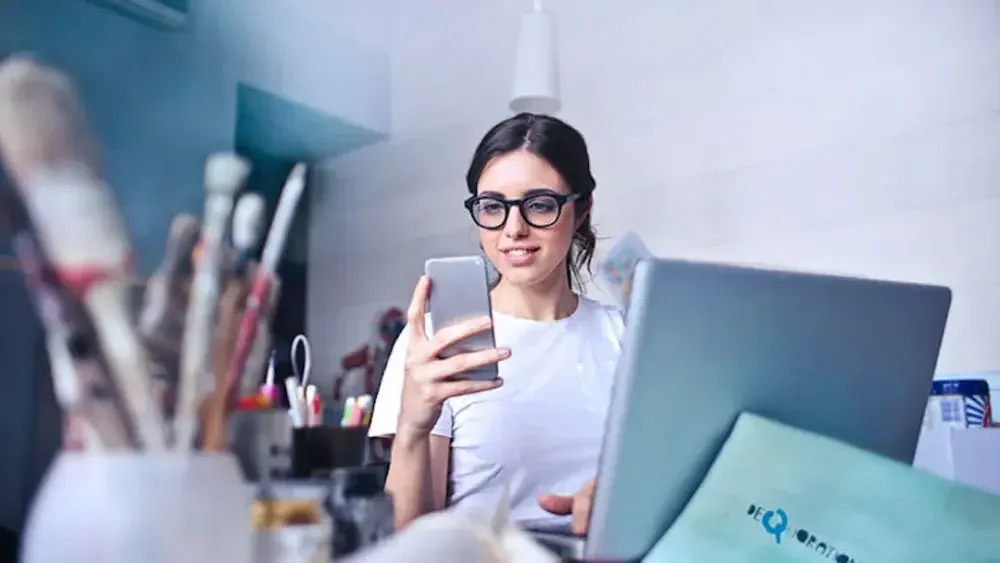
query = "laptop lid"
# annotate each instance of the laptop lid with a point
(852, 359)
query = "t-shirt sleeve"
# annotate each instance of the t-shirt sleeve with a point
(616, 323)
(387, 401)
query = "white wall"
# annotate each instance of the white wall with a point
(858, 136)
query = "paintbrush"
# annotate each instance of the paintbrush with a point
(260, 354)
(224, 177)
(50, 154)
(79, 382)
(214, 411)
(248, 226)
(47, 302)
(260, 290)
(164, 304)
(167, 289)
(68, 389)
(105, 417)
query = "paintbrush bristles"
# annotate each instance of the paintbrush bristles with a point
(166, 292)
(248, 221)
(184, 227)
(41, 122)
(225, 174)
(49, 151)
(185, 230)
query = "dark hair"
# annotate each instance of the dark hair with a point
(564, 148)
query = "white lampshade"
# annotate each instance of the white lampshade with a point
(536, 72)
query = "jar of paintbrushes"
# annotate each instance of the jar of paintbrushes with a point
(148, 393)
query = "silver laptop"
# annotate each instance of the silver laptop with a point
(848, 358)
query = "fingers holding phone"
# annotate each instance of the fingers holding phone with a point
(458, 292)
(417, 312)
(432, 374)
(430, 380)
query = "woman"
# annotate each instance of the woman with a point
(538, 430)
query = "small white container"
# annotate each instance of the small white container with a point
(140, 507)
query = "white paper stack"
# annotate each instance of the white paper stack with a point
(964, 455)
(453, 537)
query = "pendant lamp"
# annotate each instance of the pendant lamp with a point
(536, 70)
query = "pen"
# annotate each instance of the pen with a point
(358, 413)
(313, 406)
(366, 414)
(345, 419)
(267, 390)
(294, 404)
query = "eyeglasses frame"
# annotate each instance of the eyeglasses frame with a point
(561, 201)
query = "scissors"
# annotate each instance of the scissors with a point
(301, 372)
(307, 400)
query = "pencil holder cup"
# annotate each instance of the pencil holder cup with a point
(261, 440)
(322, 448)
(137, 506)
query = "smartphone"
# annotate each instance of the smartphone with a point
(459, 292)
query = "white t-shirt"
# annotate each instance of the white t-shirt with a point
(540, 432)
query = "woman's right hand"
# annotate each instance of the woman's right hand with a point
(428, 379)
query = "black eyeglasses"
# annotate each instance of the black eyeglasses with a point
(540, 210)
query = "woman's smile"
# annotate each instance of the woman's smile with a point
(520, 256)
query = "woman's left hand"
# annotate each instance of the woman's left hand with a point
(577, 505)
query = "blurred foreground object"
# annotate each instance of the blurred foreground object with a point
(48, 150)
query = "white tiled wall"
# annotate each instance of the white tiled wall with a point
(857, 136)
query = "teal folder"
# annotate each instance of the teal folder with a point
(776, 494)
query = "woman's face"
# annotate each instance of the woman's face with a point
(523, 254)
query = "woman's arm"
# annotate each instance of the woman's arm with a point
(412, 407)
(418, 467)
(418, 475)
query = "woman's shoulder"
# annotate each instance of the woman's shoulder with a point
(603, 314)
(596, 306)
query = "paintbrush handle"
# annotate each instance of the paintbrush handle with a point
(165, 296)
(259, 294)
(224, 176)
(125, 356)
(284, 215)
(73, 379)
(197, 343)
(101, 409)
(214, 409)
